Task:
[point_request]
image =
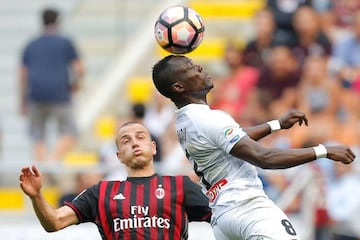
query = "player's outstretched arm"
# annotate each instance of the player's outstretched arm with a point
(288, 120)
(272, 158)
(51, 219)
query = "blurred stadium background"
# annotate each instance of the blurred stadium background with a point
(116, 42)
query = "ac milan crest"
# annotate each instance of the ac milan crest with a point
(160, 192)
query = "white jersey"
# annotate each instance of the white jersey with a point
(207, 137)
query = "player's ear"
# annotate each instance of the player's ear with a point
(177, 87)
(154, 150)
(118, 154)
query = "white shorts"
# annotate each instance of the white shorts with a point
(256, 219)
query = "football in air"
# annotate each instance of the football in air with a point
(179, 29)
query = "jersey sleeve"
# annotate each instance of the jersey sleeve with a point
(85, 204)
(72, 52)
(223, 130)
(196, 203)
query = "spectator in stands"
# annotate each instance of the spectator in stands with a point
(319, 96)
(232, 91)
(318, 92)
(338, 20)
(257, 50)
(346, 56)
(348, 130)
(47, 85)
(310, 40)
(279, 76)
(344, 211)
(283, 11)
(321, 6)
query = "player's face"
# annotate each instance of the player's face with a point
(135, 147)
(193, 77)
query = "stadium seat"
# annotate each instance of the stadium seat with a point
(226, 9)
(81, 159)
(105, 127)
(139, 89)
(12, 198)
(52, 195)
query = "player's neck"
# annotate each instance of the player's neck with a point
(141, 172)
(179, 103)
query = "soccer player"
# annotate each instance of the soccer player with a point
(224, 155)
(145, 206)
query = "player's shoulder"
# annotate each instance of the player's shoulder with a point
(175, 177)
(201, 113)
(103, 183)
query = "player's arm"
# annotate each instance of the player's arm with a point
(50, 218)
(288, 120)
(196, 203)
(272, 158)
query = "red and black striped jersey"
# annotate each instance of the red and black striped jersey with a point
(143, 208)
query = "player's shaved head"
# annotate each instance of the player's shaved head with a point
(128, 124)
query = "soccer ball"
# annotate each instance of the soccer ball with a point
(179, 29)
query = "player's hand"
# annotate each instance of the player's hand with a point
(292, 117)
(340, 153)
(30, 181)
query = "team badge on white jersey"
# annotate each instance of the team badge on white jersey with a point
(231, 135)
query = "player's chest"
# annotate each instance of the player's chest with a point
(145, 200)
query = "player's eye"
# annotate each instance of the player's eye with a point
(193, 66)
